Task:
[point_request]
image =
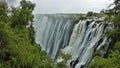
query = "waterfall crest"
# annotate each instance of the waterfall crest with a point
(53, 33)
(85, 40)
(79, 39)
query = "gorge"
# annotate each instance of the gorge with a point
(79, 38)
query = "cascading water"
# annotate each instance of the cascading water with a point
(86, 38)
(78, 39)
(53, 33)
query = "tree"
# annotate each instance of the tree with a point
(116, 8)
(27, 5)
(22, 15)
(90, 13)
(16, 45)
(31, 34)
(3, 35)
(111, 59)
(3, 4)
(3, 12)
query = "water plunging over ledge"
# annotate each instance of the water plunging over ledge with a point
(78, 38)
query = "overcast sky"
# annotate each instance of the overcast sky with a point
(68, 6)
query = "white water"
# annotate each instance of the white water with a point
(84, 40)
(80, 40)
(55, 33)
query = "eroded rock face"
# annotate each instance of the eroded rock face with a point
(3, 3)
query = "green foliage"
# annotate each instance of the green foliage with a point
(3, 4)
(97, 53)
(81, 17)
(113, 52)
(61, 65)
(31, 34)
(94, 14)
(113, 8)
(116, 20)
(3, 15)
(27, 5)
(17, 46)
(4, 39)
(100, 62)
(116, 8)
(22, 16)
(117, 46)
(111, 62)
(90, 13)
(114, 34)
(66, 57)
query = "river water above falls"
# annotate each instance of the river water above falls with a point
(78, 38)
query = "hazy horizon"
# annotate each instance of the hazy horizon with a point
(67, 6)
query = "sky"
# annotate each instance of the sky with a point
(68, 6)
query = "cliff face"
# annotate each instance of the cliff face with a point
(3, 3)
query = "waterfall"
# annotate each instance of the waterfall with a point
(85, 40)
(80, 39)
(53, 33)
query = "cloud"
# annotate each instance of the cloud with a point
(67, 6)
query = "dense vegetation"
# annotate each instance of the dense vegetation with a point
(17, 45)
(94, 14)
(112, 58)
(19, 50)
